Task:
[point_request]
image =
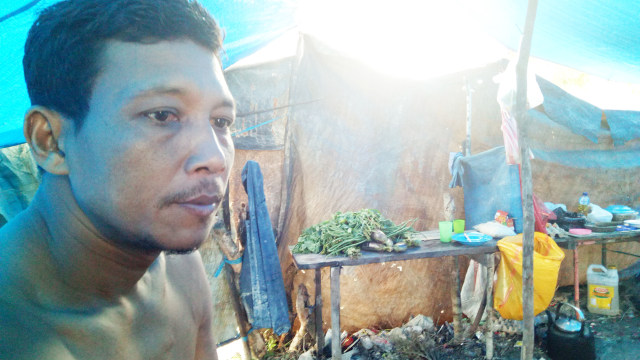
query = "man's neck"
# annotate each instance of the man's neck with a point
(90, 267)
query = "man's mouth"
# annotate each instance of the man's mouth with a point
(202, 205)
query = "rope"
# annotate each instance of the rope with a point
(227, 261)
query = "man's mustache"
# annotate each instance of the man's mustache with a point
(205, 186)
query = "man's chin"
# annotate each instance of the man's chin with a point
(175, 245)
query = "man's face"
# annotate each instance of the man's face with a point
(150, 164)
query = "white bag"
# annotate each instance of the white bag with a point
(598, 214)
(494, 229)
(475, 281)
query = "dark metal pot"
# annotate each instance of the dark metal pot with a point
(568, 338)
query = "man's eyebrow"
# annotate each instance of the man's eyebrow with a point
(170, 90)
(132, 94)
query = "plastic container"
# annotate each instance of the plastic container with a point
(602, 287)
(583, 204)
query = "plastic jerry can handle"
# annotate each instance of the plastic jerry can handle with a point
(597, 266)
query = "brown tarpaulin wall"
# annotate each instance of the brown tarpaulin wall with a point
(354, 138)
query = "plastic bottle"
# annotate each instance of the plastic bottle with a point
(603, 290)
(583, 204)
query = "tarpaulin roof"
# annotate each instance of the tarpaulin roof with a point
(248, 25)
(596, 37)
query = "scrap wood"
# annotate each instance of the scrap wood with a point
(302, 308)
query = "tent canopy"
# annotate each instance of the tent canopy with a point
(596, 37)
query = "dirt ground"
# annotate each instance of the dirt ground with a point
(616, 337)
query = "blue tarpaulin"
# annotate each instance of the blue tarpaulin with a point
(489, 185)
(593, 36)
(261, 282)
(248, 25)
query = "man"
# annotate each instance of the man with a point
(130, 124)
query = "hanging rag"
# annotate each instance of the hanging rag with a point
(261, 282)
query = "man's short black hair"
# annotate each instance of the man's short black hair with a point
(63, 50)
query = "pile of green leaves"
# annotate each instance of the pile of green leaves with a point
(345, 232)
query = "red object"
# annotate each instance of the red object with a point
(540, 212)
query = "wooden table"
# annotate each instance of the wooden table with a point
(573, 241)
(431, 247)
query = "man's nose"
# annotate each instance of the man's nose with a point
(208, 153)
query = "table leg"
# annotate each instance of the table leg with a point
(604, 255)
(336, 349)
(456, 302)
(576, 277)
(318, 313)
(489, 329)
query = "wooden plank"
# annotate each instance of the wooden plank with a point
(336, 349)
(427, 249)
(635, 234)
(317, 308)
(572, 242)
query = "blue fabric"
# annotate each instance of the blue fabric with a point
(565, 109)
(248, 25)
(261, 282)
(490, 185)
(624, 125)
(594, 36)
(455, 169)
(584, 159)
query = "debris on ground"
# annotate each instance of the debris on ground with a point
(616, 337)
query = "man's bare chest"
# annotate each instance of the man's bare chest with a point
(130, 329)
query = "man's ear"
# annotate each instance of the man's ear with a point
(42, 129)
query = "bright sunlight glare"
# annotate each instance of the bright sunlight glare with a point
(403, 38)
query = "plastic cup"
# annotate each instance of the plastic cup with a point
(458, 226)
(446, 228)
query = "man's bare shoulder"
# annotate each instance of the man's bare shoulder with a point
(187, 272)
(18, 242)
(24, 336)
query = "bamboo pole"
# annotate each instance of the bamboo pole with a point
(527, 186)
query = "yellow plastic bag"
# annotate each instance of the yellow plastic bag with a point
(547, 256)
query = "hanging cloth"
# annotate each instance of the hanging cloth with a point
(261, 282)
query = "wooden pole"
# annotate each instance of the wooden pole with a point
(456, 303)
(527, 186)
(336, 347)
(467, 143)
(231, 251)
(317, 308)
(489, 294)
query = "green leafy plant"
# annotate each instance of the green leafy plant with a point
(345, 232)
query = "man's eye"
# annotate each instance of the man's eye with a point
(221, 123)
(162, 116)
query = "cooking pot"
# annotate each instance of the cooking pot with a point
(569, 338)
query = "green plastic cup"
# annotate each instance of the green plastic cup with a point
(446, 229)
(458, 226)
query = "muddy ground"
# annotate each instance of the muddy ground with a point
(616, 337)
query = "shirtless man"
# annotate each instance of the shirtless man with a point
(130, 125)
